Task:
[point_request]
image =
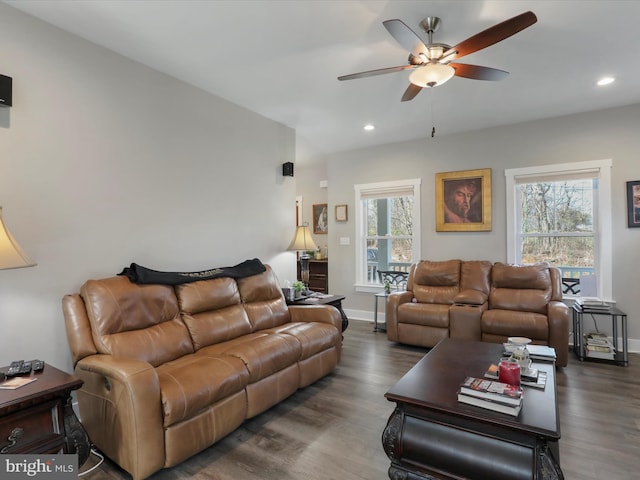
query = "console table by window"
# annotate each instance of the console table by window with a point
(621, 357)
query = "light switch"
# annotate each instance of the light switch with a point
(345, 241)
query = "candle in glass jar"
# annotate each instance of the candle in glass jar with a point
(509, 372)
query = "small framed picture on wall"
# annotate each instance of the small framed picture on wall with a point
(320, 218)
(341, 213)
(633, 204)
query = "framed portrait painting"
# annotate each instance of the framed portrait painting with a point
(463, 201)
(320, 218)
(633, 204)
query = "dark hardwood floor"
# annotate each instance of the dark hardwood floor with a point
(332, 429)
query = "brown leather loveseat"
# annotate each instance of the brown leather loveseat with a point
(478, 300)
(169, 370)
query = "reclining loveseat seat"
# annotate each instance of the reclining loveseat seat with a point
(481, 301)
(169, 370)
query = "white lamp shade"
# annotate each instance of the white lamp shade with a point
(11, 255)
(431, 75)
(302, 239)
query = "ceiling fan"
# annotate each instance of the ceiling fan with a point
(431, 62)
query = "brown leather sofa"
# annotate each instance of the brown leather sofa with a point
(478, 300)
(168, 371)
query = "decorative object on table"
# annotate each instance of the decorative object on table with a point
(519, 352)
(320, 219)
(11, 255)
(509, 372)
(463, 201)
(299, 288)
(302, 243)
(387, 287)
(341, 213)
(530, 377)
(633, 204)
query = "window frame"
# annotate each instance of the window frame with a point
(380, 188)
(602, 207)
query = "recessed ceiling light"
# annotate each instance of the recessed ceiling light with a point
(369, 127)
(605, 81)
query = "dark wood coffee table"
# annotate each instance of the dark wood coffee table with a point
(430, 435)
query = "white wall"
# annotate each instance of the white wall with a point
(104, 162)
(591, 136)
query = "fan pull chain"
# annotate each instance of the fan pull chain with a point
(433, 127)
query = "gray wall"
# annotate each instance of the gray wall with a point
(105, 162)
(591, 136)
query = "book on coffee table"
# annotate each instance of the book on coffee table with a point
(496, 406)
(491, 390)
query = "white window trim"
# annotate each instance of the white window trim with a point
(603, 228)
(361, 225)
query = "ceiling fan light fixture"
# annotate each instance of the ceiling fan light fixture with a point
(431, 75)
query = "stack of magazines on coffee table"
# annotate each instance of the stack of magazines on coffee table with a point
(492, 395)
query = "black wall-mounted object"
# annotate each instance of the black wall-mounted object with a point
(6, 84)
(287, 169)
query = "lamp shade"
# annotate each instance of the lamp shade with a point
(302, 239)
(11, 255)
(432, 75)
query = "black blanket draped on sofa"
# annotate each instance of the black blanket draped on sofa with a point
(142, 275)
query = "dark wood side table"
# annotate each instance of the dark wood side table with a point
(39, 418)
(333, 300)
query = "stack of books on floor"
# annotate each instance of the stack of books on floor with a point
(598, 345)
(593, 305)
(529, 377)
(492, 395)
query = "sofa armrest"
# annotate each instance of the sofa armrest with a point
(316, 313)
(121, 409)
(558, 318)
(470, 297)
(394, 300)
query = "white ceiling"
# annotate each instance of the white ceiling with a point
(281, 59)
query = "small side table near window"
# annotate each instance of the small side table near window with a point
(615, 315)
(38, 418)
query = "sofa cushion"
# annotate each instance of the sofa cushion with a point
(436, 282)
(263, 354)
(521, 276)
(313, 337)
(212, 311)
(192, 383)
(263, 300)
(432, 315)
(508, 323)
(136, 321)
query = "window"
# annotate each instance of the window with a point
(561, 214)
(387, 229)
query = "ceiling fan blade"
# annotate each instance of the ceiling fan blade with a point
(477, 72)
(411, 92)
(492, 35)
(380, 71)
(405, 36)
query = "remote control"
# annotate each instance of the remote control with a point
(14, 368)
(25, 369)
(38, 365)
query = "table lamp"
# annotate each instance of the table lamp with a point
(11, 255)
(302, 242)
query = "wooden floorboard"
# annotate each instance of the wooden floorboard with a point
(332, 429)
